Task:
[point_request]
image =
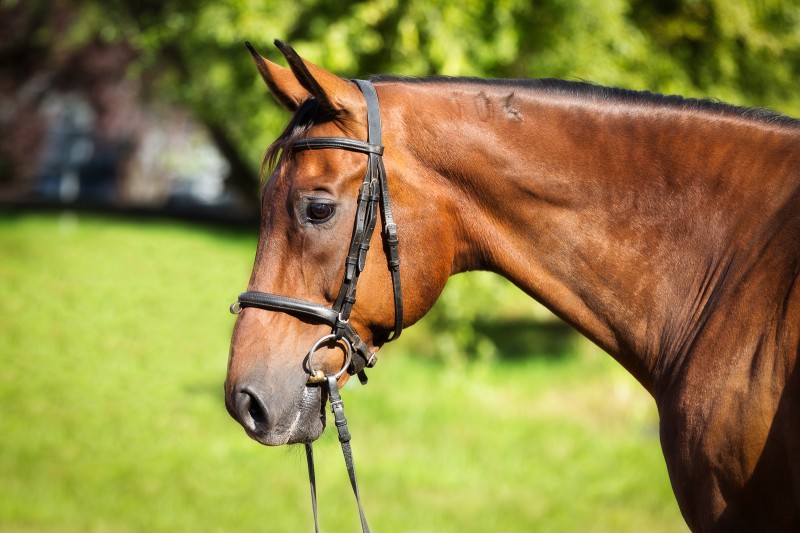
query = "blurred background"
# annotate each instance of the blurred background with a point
(131, 138)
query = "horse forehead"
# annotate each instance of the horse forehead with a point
(326, 169)
(326, 162)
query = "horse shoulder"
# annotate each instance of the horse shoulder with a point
(729, 423)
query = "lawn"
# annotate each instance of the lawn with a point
(114, 337)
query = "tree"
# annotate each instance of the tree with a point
(191, 53)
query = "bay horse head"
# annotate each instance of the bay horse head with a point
(298, 320)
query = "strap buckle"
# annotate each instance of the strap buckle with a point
(391, 233)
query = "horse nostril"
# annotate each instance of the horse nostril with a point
(250, 410)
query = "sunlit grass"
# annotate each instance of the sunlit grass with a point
(113, 341)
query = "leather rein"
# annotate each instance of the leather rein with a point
(373, 196)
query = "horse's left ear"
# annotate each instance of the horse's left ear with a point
(336, 96)
(281, 81)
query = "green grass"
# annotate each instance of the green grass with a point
(113, 344)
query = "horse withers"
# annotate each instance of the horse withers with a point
(667, 230)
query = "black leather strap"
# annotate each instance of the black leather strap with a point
(374, 127)
(315, 313)
(389, 227)
(312, 481)
(344, 438)
(338, 143)
(337, 408)
(287, 304)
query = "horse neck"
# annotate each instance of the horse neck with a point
(622, 219)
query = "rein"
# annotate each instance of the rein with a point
(373, 196)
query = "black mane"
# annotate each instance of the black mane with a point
(309, 112)
(600, 92)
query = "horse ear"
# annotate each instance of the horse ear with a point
(281, 81)
(336, 96)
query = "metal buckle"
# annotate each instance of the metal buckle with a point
(318, 376)
(391, 234)
(236, 307)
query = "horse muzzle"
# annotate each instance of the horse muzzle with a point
(257, 399)
(272, 422)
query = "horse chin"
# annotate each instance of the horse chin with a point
(304, 426)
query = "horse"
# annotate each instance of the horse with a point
(664, 229)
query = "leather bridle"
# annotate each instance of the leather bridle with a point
(373, 196)
(374, 191)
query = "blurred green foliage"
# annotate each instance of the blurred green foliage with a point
(746, 52)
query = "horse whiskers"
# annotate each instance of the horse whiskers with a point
(287, 435)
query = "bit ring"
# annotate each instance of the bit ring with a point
(318, 376)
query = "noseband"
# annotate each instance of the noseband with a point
(373, 196)
(374, 190)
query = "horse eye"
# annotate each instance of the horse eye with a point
(318, 212)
